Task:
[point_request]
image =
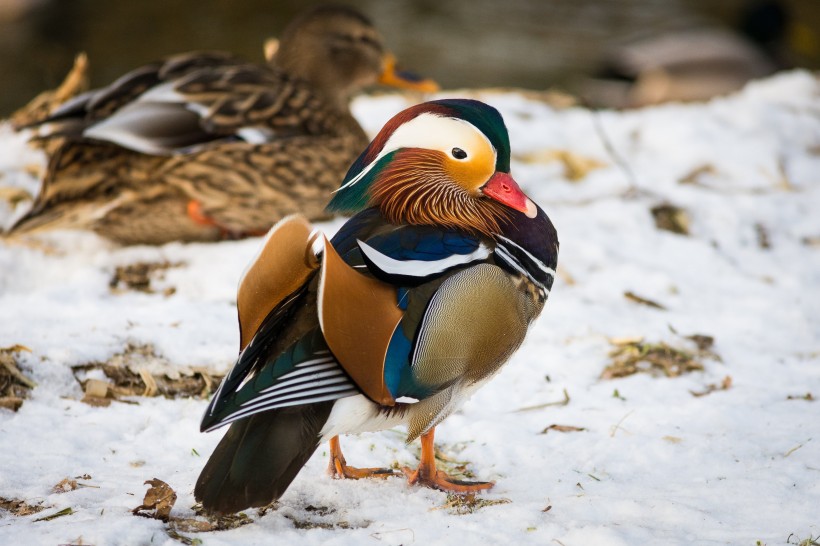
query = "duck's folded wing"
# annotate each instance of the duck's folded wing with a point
(184, 104)
(75, 115)
(306, 373)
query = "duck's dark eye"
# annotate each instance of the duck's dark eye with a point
(458, 153)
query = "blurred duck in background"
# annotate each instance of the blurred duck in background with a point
(204, 146)
(699, 62)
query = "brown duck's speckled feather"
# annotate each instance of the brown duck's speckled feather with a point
(245, 143)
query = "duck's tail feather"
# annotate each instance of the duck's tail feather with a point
(259, 457)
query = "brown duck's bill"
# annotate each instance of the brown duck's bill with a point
(404, 80)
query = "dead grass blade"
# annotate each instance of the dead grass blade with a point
(725, 385)
(631, 296)
(562, 428)
(563, 402)
(64, 512)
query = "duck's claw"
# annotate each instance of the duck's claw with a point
(427, 475)
(339, 469)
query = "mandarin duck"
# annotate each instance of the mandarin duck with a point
(418, 300)
(203, 146)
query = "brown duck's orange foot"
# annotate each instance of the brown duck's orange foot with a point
(443, 482)
(338, 467)
(195, 213)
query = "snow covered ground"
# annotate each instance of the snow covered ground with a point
(654, 464)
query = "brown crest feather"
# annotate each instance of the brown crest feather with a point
(414, 188)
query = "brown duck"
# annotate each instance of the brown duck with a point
(204, 146)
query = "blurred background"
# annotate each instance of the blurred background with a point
(616, 53)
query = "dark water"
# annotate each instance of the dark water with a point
(461, 43)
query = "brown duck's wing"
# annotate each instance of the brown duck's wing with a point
(97, 104)
(473, 323)
(256, 97)
(284, 263)
(245, 189)
(245, 102)
(358, 315)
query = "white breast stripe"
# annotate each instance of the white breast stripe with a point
(504, 254)
(420, 268)
(541, 265)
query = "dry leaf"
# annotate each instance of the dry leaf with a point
(159, 499)
(65, 486)
(668, 217)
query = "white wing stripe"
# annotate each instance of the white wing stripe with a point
(302, 397)
(304, 377)
(318, 382)
(236, 417)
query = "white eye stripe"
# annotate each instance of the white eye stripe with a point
(432, 132)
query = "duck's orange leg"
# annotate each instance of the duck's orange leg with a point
(427, 475)
(338, 467)
(194, 210)
(195, 213)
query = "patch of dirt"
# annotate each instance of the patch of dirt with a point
(669, 217)
(323, 517)
(14, 385)
(18, 507)
(139, 276)
(633, 355)
(139, 371)
(460, 505)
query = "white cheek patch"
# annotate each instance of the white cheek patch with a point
(433, 132)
